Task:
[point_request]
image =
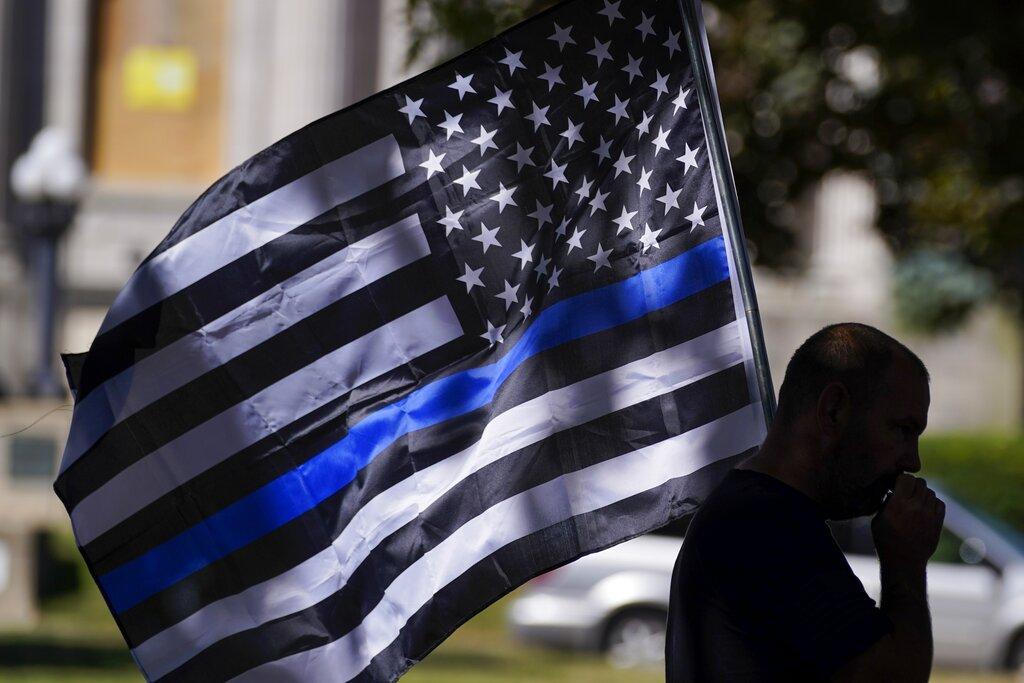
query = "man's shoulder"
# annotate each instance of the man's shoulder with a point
(752, 498)
(747, 514)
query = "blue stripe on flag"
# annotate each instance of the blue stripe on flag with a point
(304, 487)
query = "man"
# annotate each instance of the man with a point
(761, 591)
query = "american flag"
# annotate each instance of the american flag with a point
(414, 354)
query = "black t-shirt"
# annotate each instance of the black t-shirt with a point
(761, 591)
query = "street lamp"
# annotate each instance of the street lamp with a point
(48, 181)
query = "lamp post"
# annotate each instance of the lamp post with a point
(47, 180)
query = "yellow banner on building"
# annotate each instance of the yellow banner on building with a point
(161, 78)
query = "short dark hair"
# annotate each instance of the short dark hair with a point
(854, 354)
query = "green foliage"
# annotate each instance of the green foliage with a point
(449, 27)
(985, 471)
(934, 291)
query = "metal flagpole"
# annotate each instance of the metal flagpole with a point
(704, 79)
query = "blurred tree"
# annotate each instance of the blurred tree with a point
(925, 97)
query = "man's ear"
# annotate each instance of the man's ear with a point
(833, 410)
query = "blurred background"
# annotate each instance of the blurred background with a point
(877, 147)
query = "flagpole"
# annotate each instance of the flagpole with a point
(704, 79)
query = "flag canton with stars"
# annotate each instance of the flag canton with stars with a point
(566, 155)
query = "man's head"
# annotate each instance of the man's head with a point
(861, 400)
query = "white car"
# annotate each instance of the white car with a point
(616, 601)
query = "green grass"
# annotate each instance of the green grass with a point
(77, 642)
(984, 470)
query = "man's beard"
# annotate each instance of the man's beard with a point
(845, 474)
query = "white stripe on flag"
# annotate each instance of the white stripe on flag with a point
(518, 427)
(243, 328)
(255, 224)
(569, 495)
(267, 411)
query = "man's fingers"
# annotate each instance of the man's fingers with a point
(905, 485)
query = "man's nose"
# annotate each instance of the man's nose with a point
(911, 461)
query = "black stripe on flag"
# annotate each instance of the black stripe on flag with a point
(497, 574)
(236, 380)
(648, 422)
(316, 529)
(246, 277)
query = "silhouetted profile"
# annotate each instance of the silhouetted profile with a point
(760, 590)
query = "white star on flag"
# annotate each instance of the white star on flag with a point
(493, 334)
(587, 92)
(600, 258)
(527, 309)
(462, 85)
(645, 27)
(513, 61)
(602, 150)
(644, 126)
(561, 36)
(485, 140)
(542, 214)
(619, 109)
(572, 133)
(649, 238)
(611, 10)
(551, 75)
(584, 188)
(632, 67)
(451, 221)
(487, 238)
(624, 221)
(525, 253)
(542, 266)
(672, 43)
(645, 180)
(502, 100)
(660, 141)
(622, 164)
(522, 157)
(671, 198)
(574, 240)
(468, 180)
(451, 124)
(600, 51)
(472, 278)
(510, 295)
(553, 280)
(433, 164)
(597, 203)
(557, 174)
(696, 218)
(689, 158)
(660, 84)
(412, 109)
(539, 117)
(504, 197)
(680, 101)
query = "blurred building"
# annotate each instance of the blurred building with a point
(165, 96)
(162, 97)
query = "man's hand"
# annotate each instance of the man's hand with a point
(906, 532)
(907, 528)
